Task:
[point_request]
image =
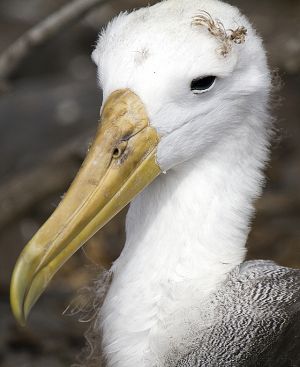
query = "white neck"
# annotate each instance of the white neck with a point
(185, 232)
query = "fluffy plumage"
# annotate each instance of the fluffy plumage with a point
(179, 276)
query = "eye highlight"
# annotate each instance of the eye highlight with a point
(202, 84)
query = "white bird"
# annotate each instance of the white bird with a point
(186, 88)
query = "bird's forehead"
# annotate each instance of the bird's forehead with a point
(160, 41)
(145, 44)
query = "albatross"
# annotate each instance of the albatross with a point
(184, 136)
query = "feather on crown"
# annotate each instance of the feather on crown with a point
(225, 36)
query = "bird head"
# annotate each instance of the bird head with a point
(198, 68)
(177, 78)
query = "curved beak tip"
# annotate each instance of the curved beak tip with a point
(17, 296)
(18, 311)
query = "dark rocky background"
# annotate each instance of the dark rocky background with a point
(48, 112)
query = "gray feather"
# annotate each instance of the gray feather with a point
(253, 320)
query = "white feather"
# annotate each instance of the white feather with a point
(188, 229)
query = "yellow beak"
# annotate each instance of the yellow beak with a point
(120, 163)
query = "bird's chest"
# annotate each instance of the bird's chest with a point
(142, 321)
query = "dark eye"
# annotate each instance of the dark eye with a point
(200, 85)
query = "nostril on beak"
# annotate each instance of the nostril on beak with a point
(119, 150)
(116, 153)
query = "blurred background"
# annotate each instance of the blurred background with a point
(48, 113)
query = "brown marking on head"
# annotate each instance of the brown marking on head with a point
(225, 36)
